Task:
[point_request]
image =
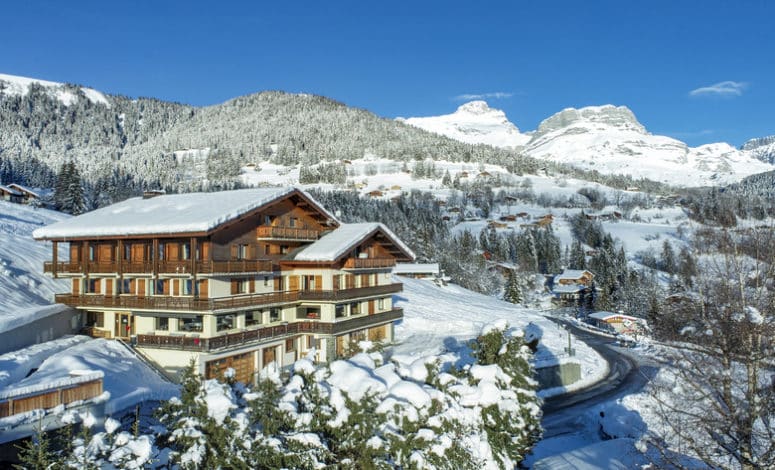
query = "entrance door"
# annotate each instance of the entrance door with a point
(269, 356)
(124, 325)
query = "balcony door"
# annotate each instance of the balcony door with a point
(124, 325)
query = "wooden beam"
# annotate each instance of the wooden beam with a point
(55, 248)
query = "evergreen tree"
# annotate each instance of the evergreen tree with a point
(36, 453)
(513, 291)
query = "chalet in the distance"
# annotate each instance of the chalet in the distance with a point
(234, 279)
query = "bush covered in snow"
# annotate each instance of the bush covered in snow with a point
(361, 412)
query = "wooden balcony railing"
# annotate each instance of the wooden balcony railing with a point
(236, 266)
(164, 267)
(176, 303)
(346, 294)
(169, 303)
(369, 263)
(286, 233)
(193, 343)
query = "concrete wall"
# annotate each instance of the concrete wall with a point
(559, 375)
(44, 329)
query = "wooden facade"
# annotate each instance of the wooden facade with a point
(233, 288)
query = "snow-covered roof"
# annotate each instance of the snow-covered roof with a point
(168, 214)
(603, 316)
(416, 268)
(10, 190)
(571, 274)
(335, 244)
(24, 189)
(567, 288)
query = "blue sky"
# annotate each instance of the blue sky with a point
(531, 59)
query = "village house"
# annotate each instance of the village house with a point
(417, 270)
(234, 279)
(11, 195)
(571, 286)
(618, 322)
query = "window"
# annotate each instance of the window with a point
(160, 254)
(283, 249)
(267, 250)
(187, 286)
(355, 308)
(185, 250)
(242, 251)
(191, 323)
(224, 322)
(160, 287)
(381, 304)
(290, 345)
(293, 222)
(254, 318)
(308, 282)
(95, 319)
(339, 311)
(266, 281)
(268, 219)
(274, 314)
(126, 286)
(127, 251)
(93, 287)
(242, 286)
(163, 323)
(92, 253)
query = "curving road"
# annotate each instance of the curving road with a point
(627, 374)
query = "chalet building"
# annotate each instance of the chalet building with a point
(237, 279)
(417, 270)
(29, 195)
(571, 286)
(9, 194)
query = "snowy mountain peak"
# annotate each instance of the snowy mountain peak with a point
(13, 85)
(474, 122)
(608, 115)
(762, 148)
(478, 107)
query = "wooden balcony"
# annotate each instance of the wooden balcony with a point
(164, 267)
(347, 294)
(236, 302)
(286, 233)
(224, 341)
(168, 303)
(369, 263)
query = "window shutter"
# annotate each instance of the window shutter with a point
(293, 283)
(175, 287)
(318, 282)
(234, 251)
(108, 286)
(166, 287)
(132, 287)
(252, 285)
(98, 286)
(76, 286)
(277, 284)
(234, 286)
(203, 288)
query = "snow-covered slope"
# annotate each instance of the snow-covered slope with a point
(611, 140)
(445, 318)
(23, 287)
(474, 123)
(13, 85)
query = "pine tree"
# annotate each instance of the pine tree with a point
(513, 291)
(36, 453)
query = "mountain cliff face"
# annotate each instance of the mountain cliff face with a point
(608, 139)
(762, 149)
(474, 123)
(611, 140)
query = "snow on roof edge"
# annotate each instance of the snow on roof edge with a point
(351, 235)
(139, 219)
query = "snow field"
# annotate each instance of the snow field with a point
(440, 321)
